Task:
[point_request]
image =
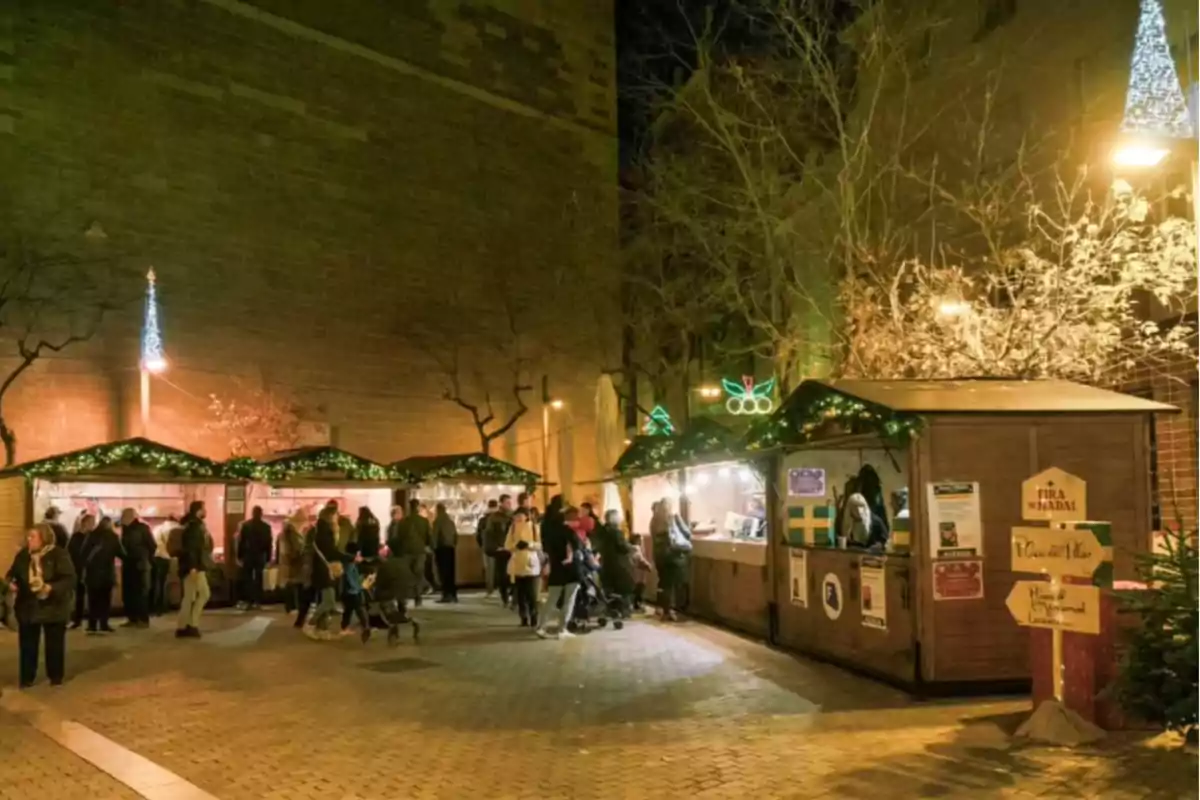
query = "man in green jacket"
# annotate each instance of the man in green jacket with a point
(413, 539)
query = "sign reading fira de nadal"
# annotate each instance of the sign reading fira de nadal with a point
(1054, 495)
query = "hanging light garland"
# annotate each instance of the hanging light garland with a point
(327, 459)
(483, 467)
(1154, 104)
(807, 415)
(133, 452)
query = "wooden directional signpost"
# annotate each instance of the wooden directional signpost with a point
(1071, 549)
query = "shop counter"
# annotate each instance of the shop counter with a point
(729, 583)
(850, 607)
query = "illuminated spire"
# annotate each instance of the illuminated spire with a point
(154, 358)
(1154, 104)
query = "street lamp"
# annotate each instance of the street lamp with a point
(1139, 153)
(952, 309)
(548, 403)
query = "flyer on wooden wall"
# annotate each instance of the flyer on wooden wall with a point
(798, 563)
(873, 596)
(958, 580)
(955, 519)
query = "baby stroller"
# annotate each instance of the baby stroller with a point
(594, 606)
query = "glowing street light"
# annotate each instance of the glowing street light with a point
(710, 392)
(556, 404)
(952, 309)
(1139, 154)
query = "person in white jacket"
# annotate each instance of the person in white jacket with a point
(525, 566)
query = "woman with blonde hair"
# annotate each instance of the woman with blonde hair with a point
(289, 556)
(42, 581)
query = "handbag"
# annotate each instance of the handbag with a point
(678, 540)
(336, 570)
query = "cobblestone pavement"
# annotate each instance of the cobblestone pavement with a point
(481, 709)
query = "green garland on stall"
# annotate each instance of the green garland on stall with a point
(242, 468)
(799, 422)
(478, 465)
(326, 460)
(648, 454)
(140, 453)
(704, 439)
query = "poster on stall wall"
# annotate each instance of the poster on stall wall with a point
(958, 580)
(955, 522)
(873, 596)
(798, 561)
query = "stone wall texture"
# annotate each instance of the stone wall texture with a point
(338, 200)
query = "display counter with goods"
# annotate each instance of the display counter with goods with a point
(894, 503)
(465, 483)
(158, 482)
(725, 503)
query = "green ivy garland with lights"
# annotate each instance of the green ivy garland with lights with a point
(803, 419)
(242, 468)
(354, 468)
(138, 453)
(483, 467)
(648, 454)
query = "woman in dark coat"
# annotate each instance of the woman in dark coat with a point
(326, 571)
(366, 531)
(616, 570)
(101, 549)
(42, 579)
(87, 523)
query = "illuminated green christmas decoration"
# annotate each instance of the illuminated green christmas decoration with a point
(1154, 104)
(648, 454)
(241, 468)
(659, 423)
(139, 452)
(476, 467)
(749, 397)
(326, 459)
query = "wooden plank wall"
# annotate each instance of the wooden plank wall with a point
(977, 640)
(14, 518)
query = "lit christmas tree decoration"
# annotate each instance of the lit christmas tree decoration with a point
(659, 423)
(154, 358)
(1155, 105)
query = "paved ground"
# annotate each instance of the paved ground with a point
(482, 710)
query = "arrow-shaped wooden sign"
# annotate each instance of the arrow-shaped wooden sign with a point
(1062, 553)
(1058, 606)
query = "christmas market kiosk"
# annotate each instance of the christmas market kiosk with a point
(158, 481)
(465, 483)
(896, 501)
(305, 479)
(722, 496)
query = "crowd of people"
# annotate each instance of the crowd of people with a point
(538, 563)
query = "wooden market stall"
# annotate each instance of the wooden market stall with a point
(941, 464)
(158, 481)
(465, 483)
(723, 497)
(305, 479)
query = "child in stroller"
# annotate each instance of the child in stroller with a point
(388, 586)
(592, 604)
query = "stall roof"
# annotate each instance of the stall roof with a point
(327, 464)
(703, 440)
(478, 467)
(125, 460)
(984, 396)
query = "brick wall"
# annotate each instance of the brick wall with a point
(331, 195)
(1174, 439)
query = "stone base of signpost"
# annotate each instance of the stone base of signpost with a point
(1051, 723)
